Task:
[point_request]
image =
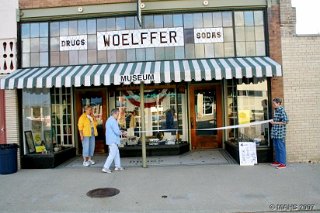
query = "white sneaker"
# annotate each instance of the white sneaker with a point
(118, 169)
(106, 170)
(91, 162)
(86, 163)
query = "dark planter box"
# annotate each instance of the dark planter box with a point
(264, 154)
(159, 150)
(45, 161)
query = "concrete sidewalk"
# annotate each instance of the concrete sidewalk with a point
(201, 188)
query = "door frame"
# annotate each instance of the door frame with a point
(77, 108)
(218, 138)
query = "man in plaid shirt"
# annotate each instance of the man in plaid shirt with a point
(278, 133)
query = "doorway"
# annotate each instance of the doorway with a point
(205, 112)
(97, 99)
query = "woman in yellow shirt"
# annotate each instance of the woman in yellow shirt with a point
(87, 126)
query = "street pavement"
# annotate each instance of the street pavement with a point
(164, 189)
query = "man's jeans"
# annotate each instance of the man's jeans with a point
(280, 149)
(113, 155)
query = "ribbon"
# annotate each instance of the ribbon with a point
(210, 129)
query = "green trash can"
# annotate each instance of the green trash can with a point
(8, 158)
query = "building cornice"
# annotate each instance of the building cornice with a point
(117, 9)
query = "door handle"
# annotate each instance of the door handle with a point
(2, 129)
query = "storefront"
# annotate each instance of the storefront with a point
(199, 70)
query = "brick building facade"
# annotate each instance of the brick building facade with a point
(300, 62)
(283, 46)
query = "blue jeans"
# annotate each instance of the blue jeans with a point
(280, 150)
(88, 145)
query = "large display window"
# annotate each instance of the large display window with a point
(36, 113)
(47, 120)
(247, 102)
(165, 115)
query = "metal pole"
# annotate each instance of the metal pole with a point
(143, 128)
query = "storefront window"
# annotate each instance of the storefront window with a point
(36, 119)
(61, 117)
(165, 116)
(249, 30)
(243, 35)
(248, 102)
(34, 39)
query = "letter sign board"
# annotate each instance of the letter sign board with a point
(208, 35)
(144, 38)
(79, 42)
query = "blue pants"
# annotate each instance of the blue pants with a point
(280, 150)
(88, 145)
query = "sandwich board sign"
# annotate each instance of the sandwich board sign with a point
(247, 153)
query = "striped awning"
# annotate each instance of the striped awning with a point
(137, 72)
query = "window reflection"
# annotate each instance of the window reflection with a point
(43, 29)
(129, 22)
(82, 27)
(102, 25)
(258, 18)
(177, 20)
(61, 116)
(158, 21)
(188, 20)
(205, 105)
(227, 19)
(92, 26)
(217, 19)
(120, 23)
(248, 18)
(248, 102)
(168, 22)
(207, 20)
(35, 30)
(197, 20)
(64, 28)
(73, 27)
(25, 30)
(36, 114)
(248, 33)
(164, 118)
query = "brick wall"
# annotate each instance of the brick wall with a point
(31, 4)
(301, 67)
(275, 46)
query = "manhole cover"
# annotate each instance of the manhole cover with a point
(103, 192)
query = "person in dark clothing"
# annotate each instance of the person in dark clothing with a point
(170, 113)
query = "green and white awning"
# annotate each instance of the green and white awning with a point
(137, 72)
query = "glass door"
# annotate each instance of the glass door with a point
(97, 100)
(205, 113)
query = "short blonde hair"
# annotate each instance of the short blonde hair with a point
(87, 107)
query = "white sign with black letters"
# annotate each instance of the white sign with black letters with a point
(247, 153)
(144, 38)
(208, 35)
(79, 42)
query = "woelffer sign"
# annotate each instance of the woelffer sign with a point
(144, 38)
